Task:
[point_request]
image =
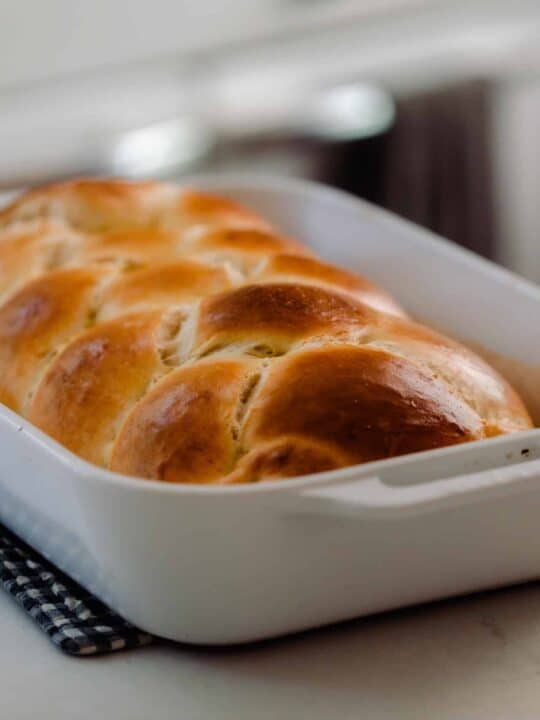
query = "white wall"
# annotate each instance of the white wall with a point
(44, 38)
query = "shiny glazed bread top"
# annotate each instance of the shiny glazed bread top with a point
(171, 334)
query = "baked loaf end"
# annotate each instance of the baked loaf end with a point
(171, 334)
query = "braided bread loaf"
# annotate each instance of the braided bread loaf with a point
(175, 335)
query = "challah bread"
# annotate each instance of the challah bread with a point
(174, 335)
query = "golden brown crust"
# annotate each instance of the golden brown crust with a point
(94, 206)
(365, 402)
(195, 207)
(163, 285)
(30, 249)
(184, 429)
(466, 374)
(294, 268)
(175, 335)
(290, 456)
(111, 205)
(36, 322)
(277, 315)
(135, 247)
(97, 377)
(244, 248)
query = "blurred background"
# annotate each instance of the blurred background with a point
(428, 108)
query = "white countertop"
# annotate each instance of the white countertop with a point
(470, 658)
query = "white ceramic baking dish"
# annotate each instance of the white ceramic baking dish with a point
(227, 565)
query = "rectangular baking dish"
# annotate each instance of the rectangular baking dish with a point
(234, 564)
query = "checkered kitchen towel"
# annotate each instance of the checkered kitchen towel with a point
(76, 621)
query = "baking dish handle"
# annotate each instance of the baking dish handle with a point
(370, 496)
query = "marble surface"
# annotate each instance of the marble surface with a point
(475, 657)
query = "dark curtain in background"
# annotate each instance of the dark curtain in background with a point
(432, 167)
